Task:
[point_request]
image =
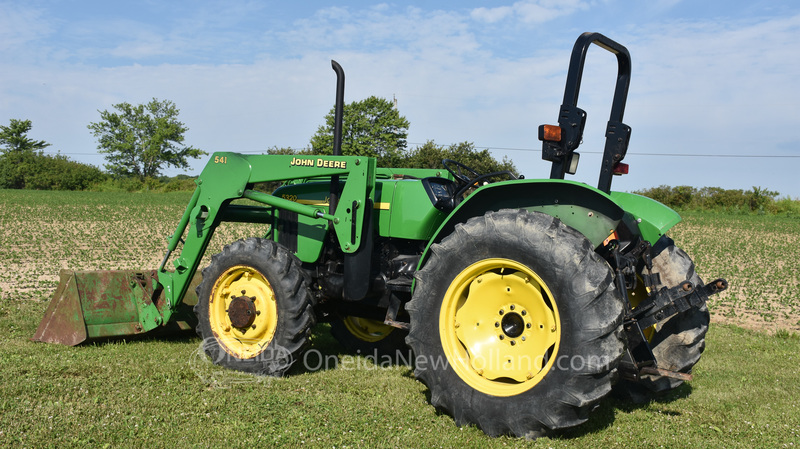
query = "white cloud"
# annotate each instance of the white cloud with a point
(491, 15)
(530, 11)
(20, 26)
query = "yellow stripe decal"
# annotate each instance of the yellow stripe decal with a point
(314, 202)
(379, 206)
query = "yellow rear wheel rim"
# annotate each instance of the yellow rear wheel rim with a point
(499, 327)
(636, 296)
(243, 282)
(367, 330)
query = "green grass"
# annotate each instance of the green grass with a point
(151, 394)
(160, 393)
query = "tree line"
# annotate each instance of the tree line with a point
(23, 164)
(757, 200)
(139, 141)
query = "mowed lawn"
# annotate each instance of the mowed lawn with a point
(163, 393)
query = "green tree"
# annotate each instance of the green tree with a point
(23, 165)
(371, 127)
(289, 150)
(19, 153)
(431, 155)
(14, 138)
(140, 140)
(759, 198)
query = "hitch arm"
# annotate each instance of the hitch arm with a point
(668, 302)
(639, 358)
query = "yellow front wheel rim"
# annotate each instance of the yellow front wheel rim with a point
(367, 330)
(242, 311)
(499, 327)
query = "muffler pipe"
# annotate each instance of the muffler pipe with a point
(337, 132)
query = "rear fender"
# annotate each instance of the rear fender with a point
(590, 211)
(653, 218)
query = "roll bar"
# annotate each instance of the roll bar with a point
(572, 119)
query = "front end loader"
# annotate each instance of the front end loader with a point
(524, 301)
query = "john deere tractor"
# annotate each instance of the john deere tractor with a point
(523, 300)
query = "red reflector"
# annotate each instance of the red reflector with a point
(550, 133)
(620, 169)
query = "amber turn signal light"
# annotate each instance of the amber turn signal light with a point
(550, 133)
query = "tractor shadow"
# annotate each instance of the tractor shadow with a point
(622, 402)
(171, 336)
(326, 349)
(606, 411)
(326, 353)
(321, 355)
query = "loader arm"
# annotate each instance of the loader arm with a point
(91, 305)
(230, 176)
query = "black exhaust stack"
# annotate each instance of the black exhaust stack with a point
(337, 131)
(357, 265)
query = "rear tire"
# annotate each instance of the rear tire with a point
(254, 308)
(516, 324)
(679, 341)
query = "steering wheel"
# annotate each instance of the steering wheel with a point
(455, 169)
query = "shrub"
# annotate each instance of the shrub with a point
(133, 184)
(757, 200)
(37, 171)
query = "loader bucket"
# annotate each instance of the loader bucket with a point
(96, 305)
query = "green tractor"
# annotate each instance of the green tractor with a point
(523, 301)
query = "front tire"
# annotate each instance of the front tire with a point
(254, 309)
(516, 324)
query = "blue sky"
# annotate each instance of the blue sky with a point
(713, 99)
